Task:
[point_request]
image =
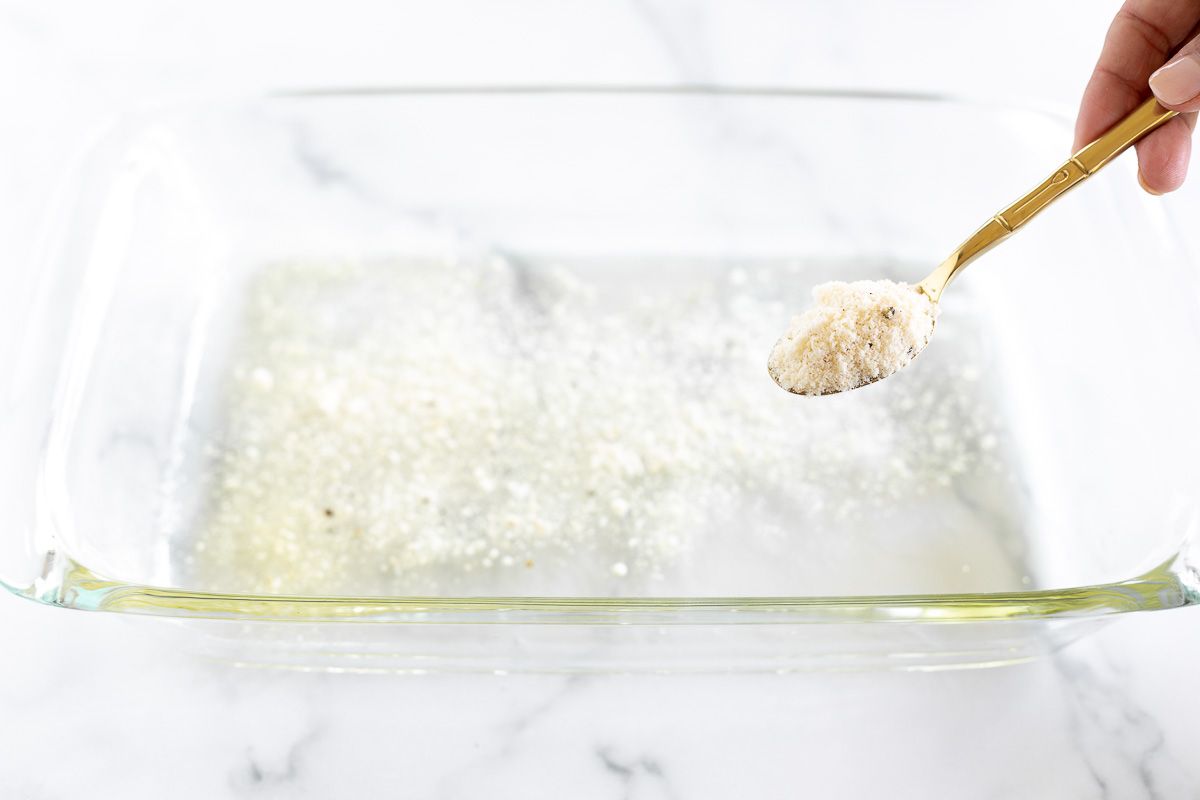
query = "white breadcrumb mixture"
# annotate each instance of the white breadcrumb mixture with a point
(854, 334)
(406, 427)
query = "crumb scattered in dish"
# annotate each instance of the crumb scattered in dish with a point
(401, 427)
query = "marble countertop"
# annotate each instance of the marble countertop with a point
(92, 704)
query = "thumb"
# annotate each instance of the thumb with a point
(1177, 83)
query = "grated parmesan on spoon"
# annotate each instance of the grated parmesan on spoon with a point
(855, 334)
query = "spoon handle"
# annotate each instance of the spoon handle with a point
(1085, 163)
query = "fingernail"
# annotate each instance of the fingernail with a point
(1146, 186)
(1178, 81)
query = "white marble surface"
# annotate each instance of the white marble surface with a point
(92, 704)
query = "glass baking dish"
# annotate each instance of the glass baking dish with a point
(1032, 475)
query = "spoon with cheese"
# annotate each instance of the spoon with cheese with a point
(858, 333)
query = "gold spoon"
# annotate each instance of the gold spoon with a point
(1087, 162)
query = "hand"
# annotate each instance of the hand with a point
(1138, 51)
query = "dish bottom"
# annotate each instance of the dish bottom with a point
(484, 425)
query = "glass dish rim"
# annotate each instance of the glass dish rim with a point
(66, 583)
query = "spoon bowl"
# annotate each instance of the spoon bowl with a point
(867, 381)
(855, 334)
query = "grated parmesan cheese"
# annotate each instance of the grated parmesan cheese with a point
(855, 334)
(410, 427)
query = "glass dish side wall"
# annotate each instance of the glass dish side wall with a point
(33, 344)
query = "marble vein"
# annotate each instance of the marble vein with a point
(1120, 743)
(636, 772)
